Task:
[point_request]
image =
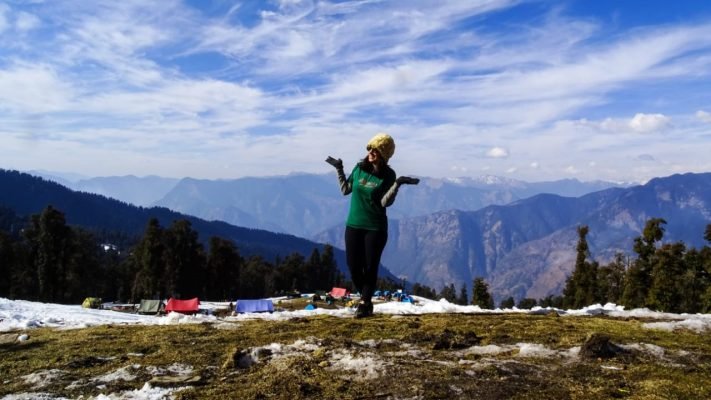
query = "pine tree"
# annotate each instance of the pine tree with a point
(185, 261)
(694, 281)
(50, 241)
(666, 290)
(313, 272)
(580, 288)
(330, 274)
(639, 276)
(423, 291)
(480, 294)
(463, 298)
(23, 281)
(147, 264)
(7, 263)
(256, 279)
(526, 304)
(224, 264)
(113, 282)
(83, 270)
(291, 273)
(507, 302)
(705, 258)
(611, 280)
(449, 293)
(551, 301)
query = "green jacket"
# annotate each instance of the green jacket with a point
(370, 195)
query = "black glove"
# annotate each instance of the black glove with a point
(406, 180)
(336, 162)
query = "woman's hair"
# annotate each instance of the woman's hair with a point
(368, 167)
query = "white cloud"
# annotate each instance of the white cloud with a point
(189, 80)
(511, 170)
(325, 36)
(33, 89)
(384, 84)
(601, 69)
(114, 39)
(296, 45)
(26, 21)
(703, 116)
(497, 152)
(4, 11)
(645, 123)
(640, 123)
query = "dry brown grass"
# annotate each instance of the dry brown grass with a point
(423, 357)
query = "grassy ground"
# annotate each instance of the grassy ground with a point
(386, 357)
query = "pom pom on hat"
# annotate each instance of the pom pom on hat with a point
(384, 143)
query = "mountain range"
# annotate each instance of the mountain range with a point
(446, 231)
(526, 249)
(308, 204)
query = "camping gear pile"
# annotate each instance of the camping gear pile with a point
(398, 295)
(254, 306)
(190, 306)
(151, 307)
(337, 297)
(91, 302)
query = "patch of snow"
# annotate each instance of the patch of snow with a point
(305, 345)
(20, 315)
(23, 337)
(697, 325)
(372, 343)
(32, 396)
(42, 378)
(174, 369)
(490, 349)
(534, 350)
(174, 318)
(651, 349)
(365, 367)
(121, 374)
(76, 385)
(147, 392)
(572, 352)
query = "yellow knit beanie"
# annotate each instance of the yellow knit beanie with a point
(384, 143)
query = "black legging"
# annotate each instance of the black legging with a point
(363, 250)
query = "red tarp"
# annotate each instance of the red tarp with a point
(339, 292)
(189, 306)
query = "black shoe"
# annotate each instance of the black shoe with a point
(360, 311)
(364, 310)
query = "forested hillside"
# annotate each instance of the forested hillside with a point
(60, 245)
(26, 195)
(50, 261)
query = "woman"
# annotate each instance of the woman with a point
(373, 187)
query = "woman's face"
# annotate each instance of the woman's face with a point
(373, 156)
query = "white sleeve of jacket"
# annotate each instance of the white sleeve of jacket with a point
(389, 197)
(345, 185)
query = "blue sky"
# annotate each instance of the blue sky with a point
(532, 90)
